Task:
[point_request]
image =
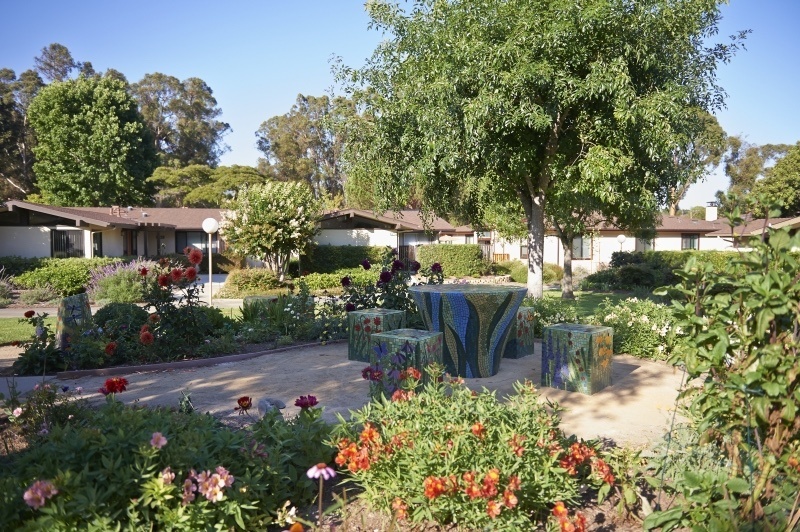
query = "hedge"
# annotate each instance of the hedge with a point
(325, 281)
(15, 265)
(328, 259)
(65, 276)
(457, 260)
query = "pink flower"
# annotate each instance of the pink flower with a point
(321, 470)
(17, 412)
(167, 475)
(38, 493)
(158, 440)
(188, 490)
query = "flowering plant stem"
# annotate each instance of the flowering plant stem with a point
(319, 514)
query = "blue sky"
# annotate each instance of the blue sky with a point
(258, 55)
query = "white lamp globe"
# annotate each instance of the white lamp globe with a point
(620, 238)
(210, 226)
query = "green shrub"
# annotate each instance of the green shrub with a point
(119, 313)
(470, 459)
(6, 286)
(552, 273)
(126, 467)
(456, 260)
(15, 265)
(549, 311)
(640, 326)
(323, 281)
(40, 354)
(42, 294)
(120, 282)
(328, 259)
(250, 281)
(739, 349)
(517, 270)
(65, 276)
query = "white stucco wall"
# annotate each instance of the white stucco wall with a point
(25, 241)
(356, 237)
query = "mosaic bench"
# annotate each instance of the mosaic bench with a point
(577, 357)
(426, 345)
(362, 324)
(520, 339)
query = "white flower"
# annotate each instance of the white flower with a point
(17, 412)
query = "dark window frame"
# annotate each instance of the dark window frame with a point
(582, 247)
(690, 241)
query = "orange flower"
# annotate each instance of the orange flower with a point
(516, 444)
(410, 373)
(478, 429)
(402, 395)
(400, 509)
(513, 483)
(296, 527)
(369, 434)
(493, 508)
(469, 476)
(509, 499)
(146, 338)
(473, 490)
(434, 486)
(560, 511)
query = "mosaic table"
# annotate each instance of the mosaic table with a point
(362, 324)
(475, 321)
(576, 357)
(74, 313)
(426, 347)
(520, 340)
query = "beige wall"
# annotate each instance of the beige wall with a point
(356, 237)
(25, 241)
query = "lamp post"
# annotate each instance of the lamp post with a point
(621, 240)
(210, 226)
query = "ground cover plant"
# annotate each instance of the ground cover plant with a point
(143, 468)
(470, 459)
(640, 326)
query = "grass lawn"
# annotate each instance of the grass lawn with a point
(11, 330)
(587, 302)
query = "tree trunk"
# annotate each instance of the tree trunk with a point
(566, 281)
(534, 211)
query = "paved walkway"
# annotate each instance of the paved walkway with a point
(635, 410)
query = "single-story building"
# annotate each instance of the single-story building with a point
(33, 230)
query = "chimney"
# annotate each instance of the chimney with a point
(711, 211)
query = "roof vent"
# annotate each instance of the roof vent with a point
(144, 214)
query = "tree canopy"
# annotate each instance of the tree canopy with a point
(270, 221)
(200, 185)
(485, 102)
(93, 148)
(781, 186)
(744, 164)
(306, 143)
(182, 117)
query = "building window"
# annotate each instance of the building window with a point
(582, 247)
(197, 239)
(690, 241)
(468, 239)
(523, 252)
(64, 244)
(644, 245)
(129, 244)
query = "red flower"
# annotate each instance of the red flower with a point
(143, 271)
(376, 320)
(509, 499)
(111, 347)
(190, 273)
(195, 256)
(434, 486)
(144, 328)
(401, 395)
(478, 430)
(244, 402)
(146, 338)
(116, 384)
(346, 281)
(163, 281)
(306, 401)
(29, 314)
(176, 274)
(473, 491)
(493, 508)
(154, 318)
(560, 511)
(436, 267)
(350, 308)
(410, 373)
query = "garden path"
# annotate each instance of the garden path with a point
(635, 410)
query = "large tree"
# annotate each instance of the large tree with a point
(93, 148)
(744, 164)
(305, 144)
(200, 185)
(781, 186)
(182, 116)
(16, 137)
(494, 100)
(271, 221)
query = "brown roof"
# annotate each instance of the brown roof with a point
(137, 217)
(406, 220)
(756, 227)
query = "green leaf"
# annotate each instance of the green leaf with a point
(738, 485)
(668, 519)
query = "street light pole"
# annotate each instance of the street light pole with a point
(210, 226)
